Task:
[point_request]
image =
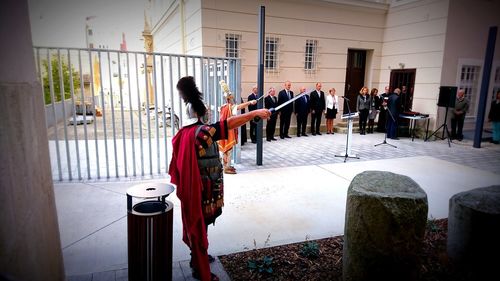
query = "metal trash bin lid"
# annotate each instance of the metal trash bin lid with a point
(150, 190)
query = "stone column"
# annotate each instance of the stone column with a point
(474, 231)
(386, 215)
(30, 247)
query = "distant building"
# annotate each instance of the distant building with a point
(420, 44)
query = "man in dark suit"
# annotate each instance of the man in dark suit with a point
(394, 108)
(382, 117)
(253, 125)
(301, 112)
(271, 101)
(317, 106)
(286, 112)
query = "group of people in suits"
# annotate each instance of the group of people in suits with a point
(369, 105)
(314, 103)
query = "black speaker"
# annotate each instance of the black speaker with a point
(447, 96)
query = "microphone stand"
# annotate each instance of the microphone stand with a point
(349, 133)
(388, 112)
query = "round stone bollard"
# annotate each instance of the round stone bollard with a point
(474, 231)
(385, 221)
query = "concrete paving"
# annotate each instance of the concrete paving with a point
(300, 192)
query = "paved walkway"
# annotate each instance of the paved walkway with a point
(299, 191)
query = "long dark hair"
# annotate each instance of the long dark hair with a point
(190, 94)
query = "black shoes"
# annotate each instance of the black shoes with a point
(304, 135)
(288, 137)
(318, 133)
(196, 275)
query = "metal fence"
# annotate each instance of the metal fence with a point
(124, 107)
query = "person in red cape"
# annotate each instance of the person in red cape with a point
(201, 197)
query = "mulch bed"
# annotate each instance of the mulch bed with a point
(290, 262)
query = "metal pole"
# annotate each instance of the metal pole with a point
(163, 111)
(483, 96)
(172, 108)
(82, 95)
(122, 113)
(156, 115)
(94, 114)
(139, 113)
(72, 91)
(63, 96)
(112, 114)
(103, 115)
(131, 114)
(260, 79)
(148, 113)
(53, 101)
(179, 76)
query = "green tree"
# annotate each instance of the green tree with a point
(56, 81)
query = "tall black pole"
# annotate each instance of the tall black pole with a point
(260, 79)
(485, 84)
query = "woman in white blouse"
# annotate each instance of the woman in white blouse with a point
(331, 110)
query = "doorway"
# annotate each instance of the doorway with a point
(404, 79)
(354, 78)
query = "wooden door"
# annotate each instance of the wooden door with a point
(404, 79)
(355, 77)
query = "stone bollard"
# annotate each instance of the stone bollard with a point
(386, 216)
(474, 231)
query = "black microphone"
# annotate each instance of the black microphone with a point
(344, 98)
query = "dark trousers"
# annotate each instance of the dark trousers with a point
(316, 121)
(271, 127)
(363, 117)
(381, 121)
(392, 128)
(253, 131)
(244, 134)
(301, 124)
(457, 121)
(285, 123)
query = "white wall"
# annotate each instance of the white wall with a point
(178, 29)
(466, 38)
(415, 36)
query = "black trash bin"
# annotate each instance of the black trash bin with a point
(150, 226)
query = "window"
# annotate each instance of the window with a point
(469, 78)
(310, 55)
(271, 54)
(233, 45)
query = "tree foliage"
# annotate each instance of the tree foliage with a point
(56, 79)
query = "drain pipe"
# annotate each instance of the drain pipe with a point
(183, 27)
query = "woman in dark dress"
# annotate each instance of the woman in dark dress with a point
(374, 109)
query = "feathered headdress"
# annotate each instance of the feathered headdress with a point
(225, 89)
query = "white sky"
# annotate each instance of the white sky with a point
(61, 23)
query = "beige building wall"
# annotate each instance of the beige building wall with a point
(466, 39)
(337, 27)
(177, 27)
(415, 36)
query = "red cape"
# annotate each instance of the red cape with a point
(185, 174)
